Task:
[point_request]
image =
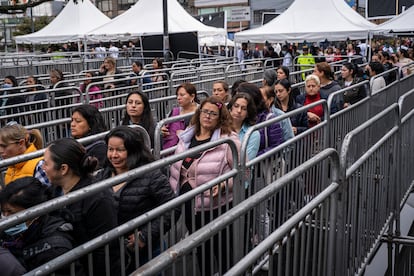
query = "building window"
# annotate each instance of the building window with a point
(258, 15)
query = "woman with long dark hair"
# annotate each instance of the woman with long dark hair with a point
(127, 151)
(138, 112)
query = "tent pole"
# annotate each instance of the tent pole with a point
(141, 47)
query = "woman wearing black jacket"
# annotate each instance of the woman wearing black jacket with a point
(69, 167)
(38, 240)
(127, 151)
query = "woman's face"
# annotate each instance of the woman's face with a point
(311, 88)
(184, 98)
(218, 91)
(345, 72)
(209, 116)
(79, 126)
(11, 148)
(135, 106)
(135, 68)
(117, 154)
(280, 74)
(239, 110)
(108, 65)
(8, 209)
(155, 64)
(88, 80)
(8, 81)
(54, 175)
(282, 93)
(318, 73)
(54, 78)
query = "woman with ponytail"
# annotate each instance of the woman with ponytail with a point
(69, 168)
(16, 140)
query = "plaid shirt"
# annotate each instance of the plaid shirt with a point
(40, 173)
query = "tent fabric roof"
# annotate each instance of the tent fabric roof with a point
(404, 22)
(311, 21)
(146, 18)
(71, 24)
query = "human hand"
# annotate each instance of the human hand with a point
(164, 131)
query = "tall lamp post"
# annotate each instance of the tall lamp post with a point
(166, 39)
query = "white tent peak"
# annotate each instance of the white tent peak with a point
(146, 18)
(311, 21)
(70, 24)
(404, 22)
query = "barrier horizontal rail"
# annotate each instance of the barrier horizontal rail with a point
(167, 258)
(121, 230)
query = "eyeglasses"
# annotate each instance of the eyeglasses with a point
(208, 113)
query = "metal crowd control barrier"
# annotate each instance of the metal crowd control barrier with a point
(272, 165)
(369, 157)
(318, 217)
(164, 212)
(350, 117)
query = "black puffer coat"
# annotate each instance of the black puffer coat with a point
(141, 195)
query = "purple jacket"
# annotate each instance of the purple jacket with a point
(211, 164)
(274, 133)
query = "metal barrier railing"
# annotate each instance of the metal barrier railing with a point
(236, 216)
(120, 232)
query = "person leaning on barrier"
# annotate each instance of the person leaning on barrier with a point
(39, 240)
(137, 70)
(268, 93)
(211, 122)
(243, 112)
(61, 96)
(328, 85)
(109, 72)
(36, 86)
(377, 83)
(270, 136)
(221, 91)
(15, 140)
(69, 168)
(86, 121)
(188, 102)
(349, 78)
(283, 73)
(94, 91)
(138, 112)
(312, 87)
(286, 102)
(10, 88)
(135, 197)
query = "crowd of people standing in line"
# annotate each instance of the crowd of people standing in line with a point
(68, 166)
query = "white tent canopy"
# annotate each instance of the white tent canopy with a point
(71, 24)
(311, 21)
(146, 18)
(403, 23)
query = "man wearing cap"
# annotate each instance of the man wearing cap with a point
(305, 60)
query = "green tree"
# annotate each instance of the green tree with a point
(25, 27)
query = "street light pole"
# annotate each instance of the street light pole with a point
(166, 39)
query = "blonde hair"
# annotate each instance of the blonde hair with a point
(313, 78)
(16, 132)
